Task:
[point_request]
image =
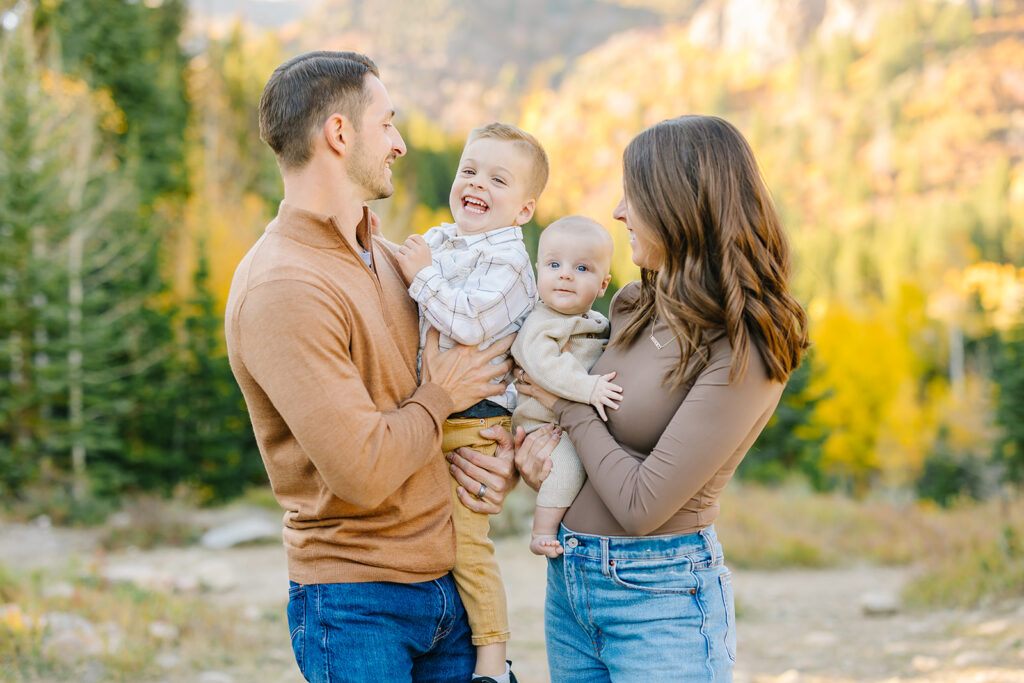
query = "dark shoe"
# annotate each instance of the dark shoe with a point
(488, 679)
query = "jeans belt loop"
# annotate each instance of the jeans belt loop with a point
(710, 543)
(605, 569)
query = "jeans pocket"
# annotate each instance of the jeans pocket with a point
(663, 576)
(725, 580)
(297, 622)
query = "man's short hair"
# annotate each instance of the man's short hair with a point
(303, 92)
(526, 142)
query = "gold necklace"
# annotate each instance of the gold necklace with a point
(657, 343)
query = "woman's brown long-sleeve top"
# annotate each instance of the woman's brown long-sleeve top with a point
(663, 458)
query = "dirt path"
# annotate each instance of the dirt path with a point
(795, 626)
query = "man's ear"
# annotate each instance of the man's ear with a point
(604, 284)
(526, 213)
(337, 132)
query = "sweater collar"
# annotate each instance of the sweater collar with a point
(315, 229)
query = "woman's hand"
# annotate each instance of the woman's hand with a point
(533, 453)
(485, 480)
(526, 387)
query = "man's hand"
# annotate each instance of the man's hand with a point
(413, 256)
(485, 480)
(465, 372)
(605, 394)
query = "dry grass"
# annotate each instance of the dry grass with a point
(79, 627)
(965, 555)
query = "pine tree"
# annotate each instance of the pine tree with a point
(79, 282)
(132, 50)
(214, 431)
(30, 175)
(790, 444)
(1008, 373)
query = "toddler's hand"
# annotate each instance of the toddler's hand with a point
(413, 256)
(605, 394)
(374, 222)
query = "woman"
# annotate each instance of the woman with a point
(702, 346)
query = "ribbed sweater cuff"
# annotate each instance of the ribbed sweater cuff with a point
(434, 400)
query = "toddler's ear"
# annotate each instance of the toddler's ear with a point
(526, 213)
(604, 284)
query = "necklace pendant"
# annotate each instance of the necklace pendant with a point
(657, 344)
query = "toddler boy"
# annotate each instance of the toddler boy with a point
(474, 284)
(558, 344)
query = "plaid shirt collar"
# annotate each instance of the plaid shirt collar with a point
(496, 236)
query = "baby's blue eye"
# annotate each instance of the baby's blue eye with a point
(500, 181)
(553, 264)
(581, 269)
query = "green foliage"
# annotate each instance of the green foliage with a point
(949, 476)
(23, 205)
(1008, 373)
(131, 49)
(69, 271)
(791, 443)
(213, 430)
(109, 384)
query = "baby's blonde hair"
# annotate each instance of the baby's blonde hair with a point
(536, 154)
(588, 227)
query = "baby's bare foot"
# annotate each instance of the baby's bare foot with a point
(545, 545)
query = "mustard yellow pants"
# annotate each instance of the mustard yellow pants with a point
(476, 572)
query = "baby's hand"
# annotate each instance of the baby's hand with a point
(413, 256)
(605, 394)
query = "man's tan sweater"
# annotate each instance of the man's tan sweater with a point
(324, 349)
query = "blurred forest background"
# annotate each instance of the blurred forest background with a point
(890, 132)
(132, 180)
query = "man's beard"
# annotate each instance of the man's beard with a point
(368, 175)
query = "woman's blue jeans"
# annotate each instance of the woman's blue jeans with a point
(654, 608)
(372, 632)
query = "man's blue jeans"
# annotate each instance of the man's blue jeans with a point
(654, 609)
(372, 632)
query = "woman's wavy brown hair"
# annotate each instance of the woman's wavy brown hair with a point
(694, 182)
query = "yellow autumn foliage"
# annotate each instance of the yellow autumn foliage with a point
(878, 420)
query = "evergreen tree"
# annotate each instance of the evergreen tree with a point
(790, 443)
(213, 430)
(30, 175)
(131, 49)
(1008, 372)
(79, 282)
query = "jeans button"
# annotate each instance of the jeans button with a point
(572, 543)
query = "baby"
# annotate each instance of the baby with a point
(557, 345)
(474, 284)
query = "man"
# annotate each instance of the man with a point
(322, 338)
